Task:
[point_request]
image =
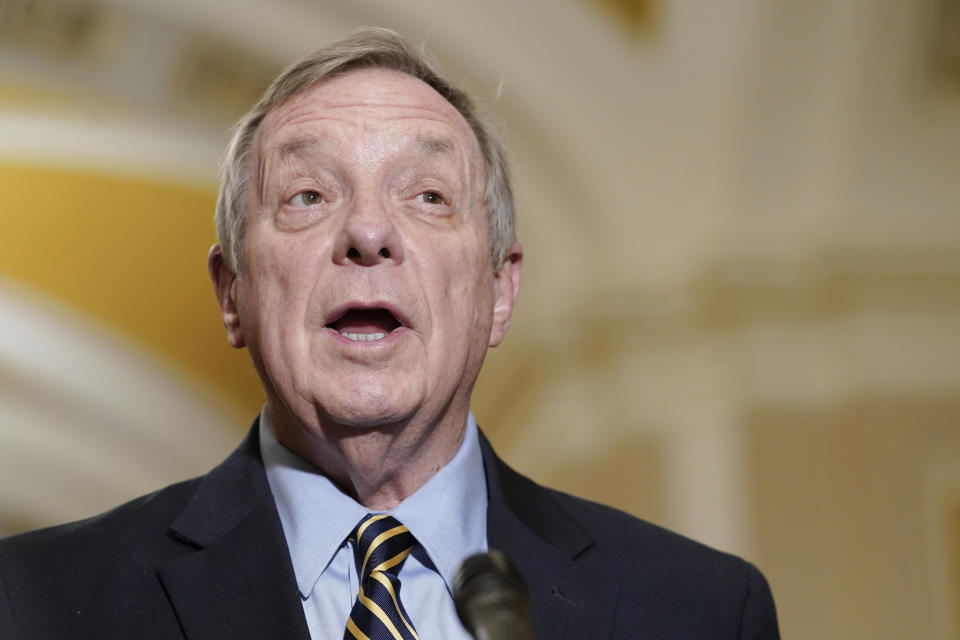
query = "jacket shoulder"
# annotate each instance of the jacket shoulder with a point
(66, 581)
(139, 525)
(656, 565)
(628, 535)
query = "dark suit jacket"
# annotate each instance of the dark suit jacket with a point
(207, 559)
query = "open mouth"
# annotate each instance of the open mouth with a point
(365, 325)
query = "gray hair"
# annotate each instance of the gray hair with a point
(366, 48)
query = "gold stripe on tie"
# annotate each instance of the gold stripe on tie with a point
(386, 535)
(392, 562)
(387, 545)
(355, 632)
(377, 611)
(385, 581)
(367, 523)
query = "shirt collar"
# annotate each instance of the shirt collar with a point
(447, 515)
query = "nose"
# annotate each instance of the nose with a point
(368, 236)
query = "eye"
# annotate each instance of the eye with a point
(431, 197)
(307, 198)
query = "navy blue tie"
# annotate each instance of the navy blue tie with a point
(381, 544)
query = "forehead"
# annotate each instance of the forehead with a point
(366, 99)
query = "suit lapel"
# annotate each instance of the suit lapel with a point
(238, 583)
(527, 524)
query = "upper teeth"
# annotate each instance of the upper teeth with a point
(364, 337)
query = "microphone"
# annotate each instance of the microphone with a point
(491, 599)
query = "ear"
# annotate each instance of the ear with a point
(506, 287)
(223, 282)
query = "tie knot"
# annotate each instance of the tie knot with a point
(381, 544)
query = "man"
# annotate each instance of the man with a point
(367, 260)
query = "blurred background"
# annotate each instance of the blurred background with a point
(740, 315)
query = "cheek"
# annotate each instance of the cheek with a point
(470, 294)
(277, 282)
(456, 278)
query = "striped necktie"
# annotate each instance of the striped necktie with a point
(381, 544)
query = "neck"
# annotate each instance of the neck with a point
(378, 466)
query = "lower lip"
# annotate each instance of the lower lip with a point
(385, 341)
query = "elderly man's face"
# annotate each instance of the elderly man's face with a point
(366, 292)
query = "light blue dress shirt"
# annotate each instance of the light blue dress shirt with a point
(447, 516)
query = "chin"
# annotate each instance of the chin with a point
(369, 406)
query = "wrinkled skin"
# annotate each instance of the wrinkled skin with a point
(367, 195)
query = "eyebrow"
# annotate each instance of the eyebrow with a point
(432, 144)
(297, 145)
